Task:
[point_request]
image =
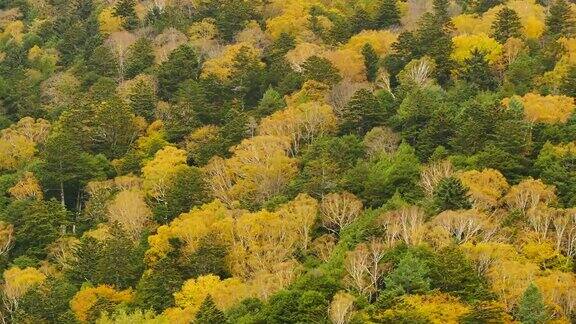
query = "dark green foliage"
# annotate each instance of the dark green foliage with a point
(140, 57)
(209, 258)
(411, 276)
(450, 194)
(186, 191)
(506, 25)
(232, 16)
(362, 113)
(49, 303)
(325, 160)
(377, 181)
(156, 288)
(452, 272)
(441, 11)
(271, 101)
(558, 170)
(481, 6)
(371, 61)
(478, 72)
(291, 306)
(320, 69)
(484, 312)
(126, 9)
(143, 100)
(37, 224)
(247, 80)
(425, 120)
(568, 86)
(182, 64)
(388, 14)
(560, 20)
(531, 308)
(115, 261)
(209, 313)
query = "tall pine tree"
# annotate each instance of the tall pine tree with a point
(531, 309)
(506, 25)
(388, 14)
(370, 62)
(560, 21)
(209, 313)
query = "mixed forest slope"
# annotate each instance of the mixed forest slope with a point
(287, 161)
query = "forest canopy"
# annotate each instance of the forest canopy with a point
(287, 161)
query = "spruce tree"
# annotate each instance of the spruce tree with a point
(560, 21)
(321, 69)
(126, 9)
(484, 5)
(140, 57)
(182, 64)
(450, 194)
(568, 86)
(441, 11)
(478, 72)
(143, 100)
(506, 25)
(388, 14)
(531, 309)
(362, 113)
(370, 62)
(209, 313)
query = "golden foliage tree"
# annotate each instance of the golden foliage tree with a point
(88, 302)
(485, 187)
(130, 210)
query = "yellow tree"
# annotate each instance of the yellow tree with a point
(485, 187)
(6, 237)
(222, 66)
(16, 283)
(464, 45)
(27, 187)
(363, 268)
(529, 194)
(225, 293)
(108, 22)
(549, 109)
(18, 142)
(90, 302)
(210, 219)
(433, 173)
(565, 231)
(258, 170)
(159, 172)
(129, 209)
(262, 240)
(302, 213)
(436, 307)
(559, 290)
(300, 123)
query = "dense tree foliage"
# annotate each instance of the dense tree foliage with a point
(287, 161)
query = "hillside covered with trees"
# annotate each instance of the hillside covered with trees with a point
(287, 161)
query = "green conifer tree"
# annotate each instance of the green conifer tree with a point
(450, 194)
(506, 25)
(388, 14)
(531, 309)
(371, 61)
(560, 20)
(209, 313)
